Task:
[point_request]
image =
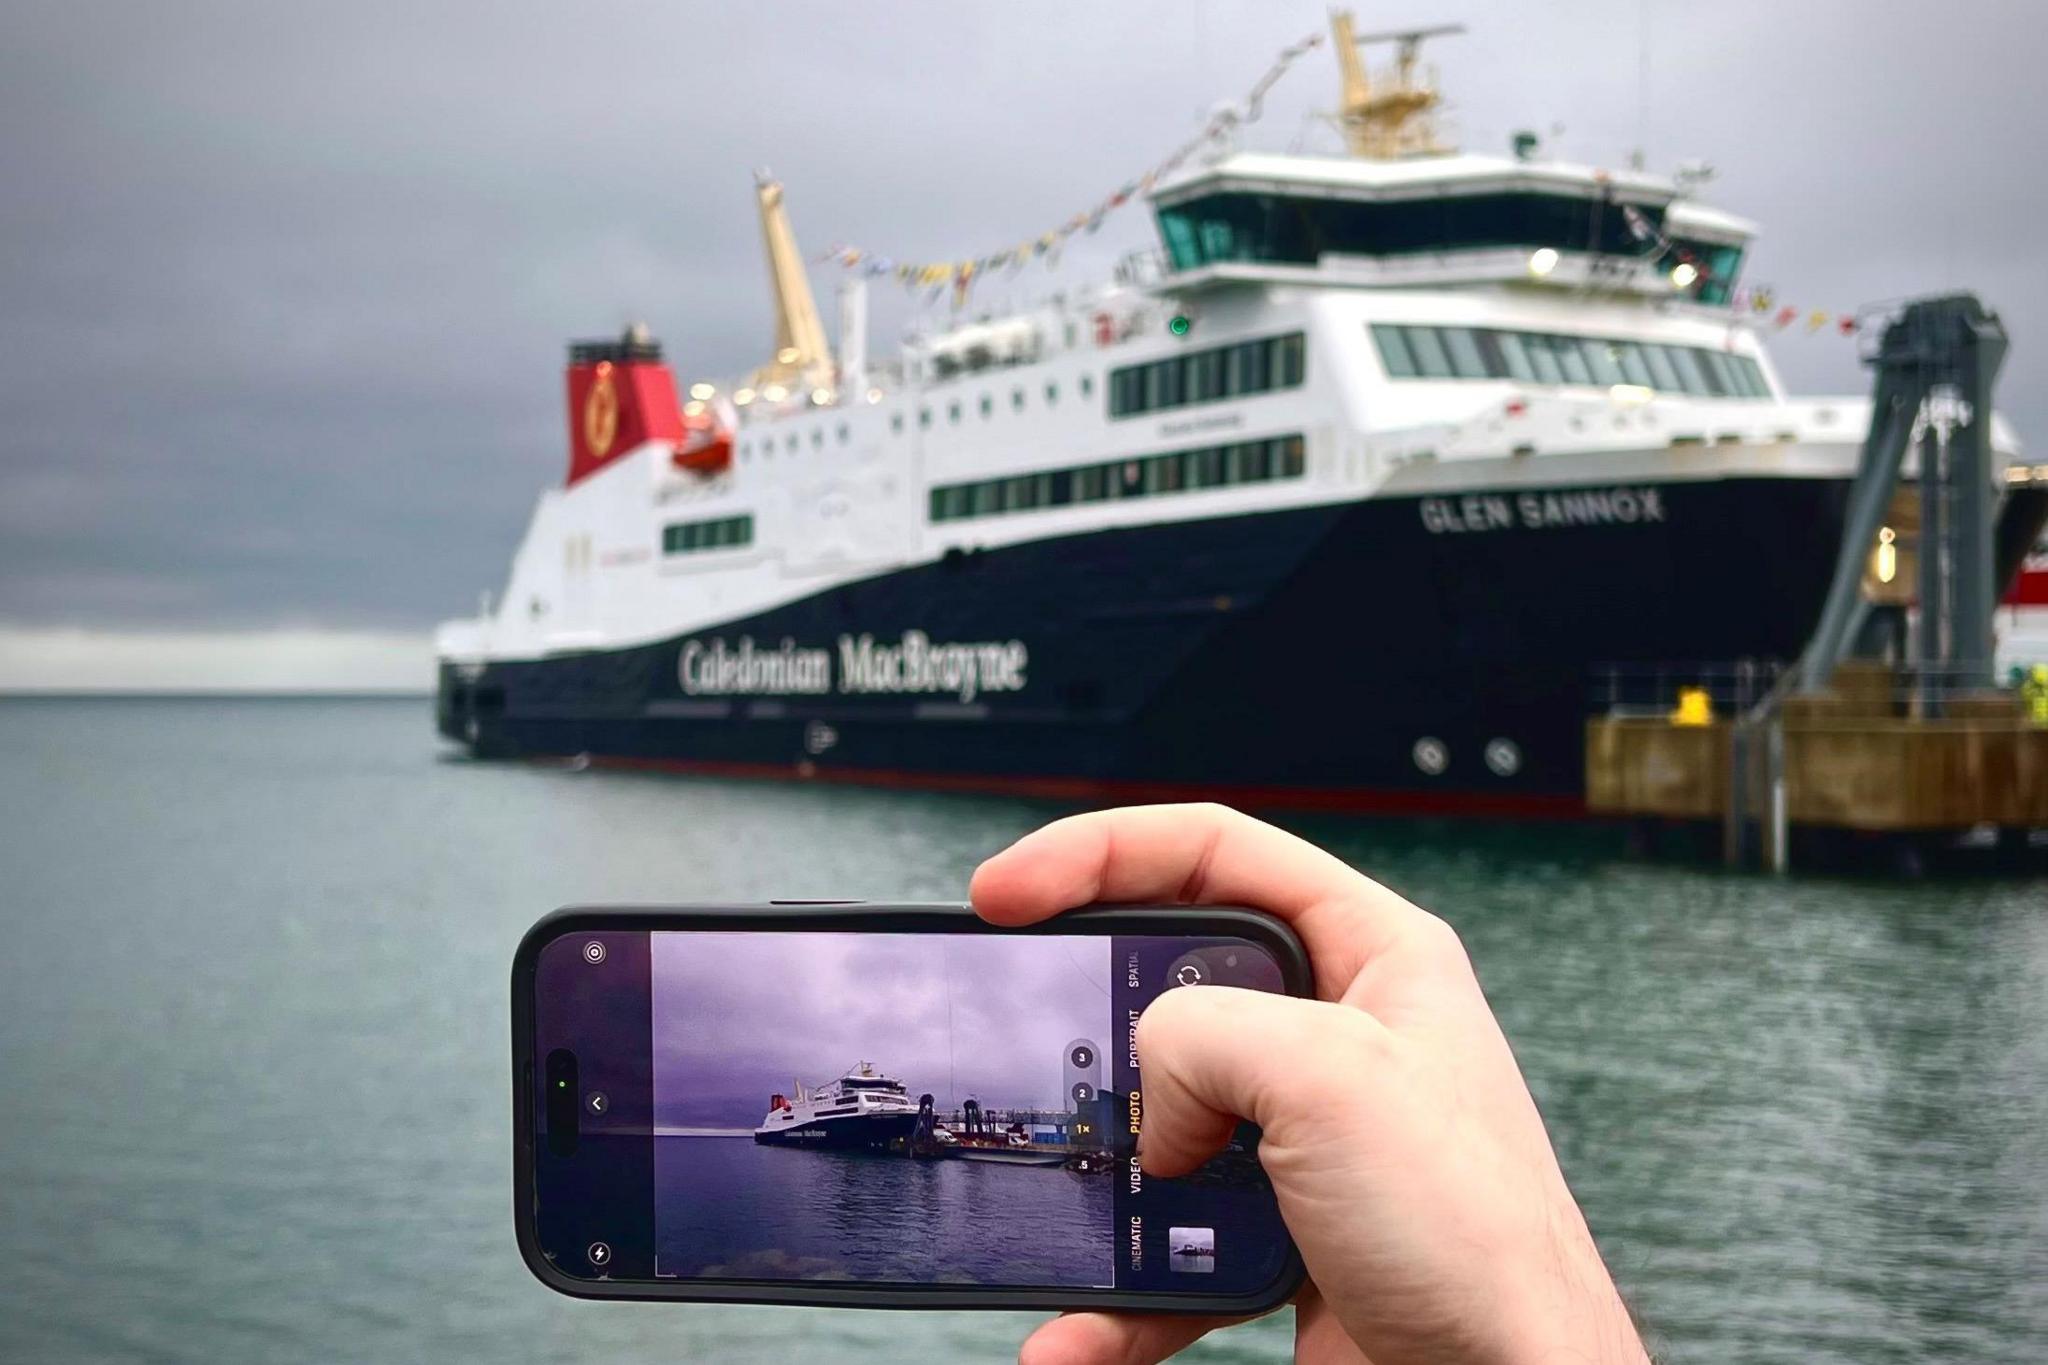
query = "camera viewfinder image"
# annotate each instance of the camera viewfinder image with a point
(1191, 1250)
(885, 1107)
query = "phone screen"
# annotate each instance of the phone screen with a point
(922, 1109)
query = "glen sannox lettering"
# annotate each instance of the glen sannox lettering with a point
(1476, 512)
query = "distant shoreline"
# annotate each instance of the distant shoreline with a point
(199, 694)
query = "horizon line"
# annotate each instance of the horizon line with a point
(89, 693)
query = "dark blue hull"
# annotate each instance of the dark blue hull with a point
(860, 1133)
(1327, 656)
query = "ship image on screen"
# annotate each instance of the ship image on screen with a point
(908, 1108)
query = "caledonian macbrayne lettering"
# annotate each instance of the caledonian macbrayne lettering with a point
(914, 663)
(1542, 511)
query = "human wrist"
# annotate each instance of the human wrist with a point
(1569, 1310)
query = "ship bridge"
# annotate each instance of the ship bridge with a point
(1458, 218)
(1404, 208)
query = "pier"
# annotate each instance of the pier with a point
(1078, 1139)
(1891, 724)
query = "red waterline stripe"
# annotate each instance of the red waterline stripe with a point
(1352, 800)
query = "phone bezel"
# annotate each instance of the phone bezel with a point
(843, 916)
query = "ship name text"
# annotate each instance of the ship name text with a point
(912, 663)
(1542, 511)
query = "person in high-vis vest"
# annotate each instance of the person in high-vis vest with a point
(2034, 694)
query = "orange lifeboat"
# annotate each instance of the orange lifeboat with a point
(706, 443)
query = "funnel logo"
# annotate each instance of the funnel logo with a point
(601, 413)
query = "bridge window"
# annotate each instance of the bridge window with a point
(1281, 229)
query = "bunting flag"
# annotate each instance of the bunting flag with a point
(1760, 302)
(934, 277)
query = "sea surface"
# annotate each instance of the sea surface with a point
(725, 1206)
(253, 1077)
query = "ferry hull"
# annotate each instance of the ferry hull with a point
(864, 1132)
(1430, 655)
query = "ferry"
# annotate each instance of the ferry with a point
(862, 1110)
(1336, 499)
(2023, 619)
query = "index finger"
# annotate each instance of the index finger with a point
(1196, 855)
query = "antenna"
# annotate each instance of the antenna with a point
(1391, 115)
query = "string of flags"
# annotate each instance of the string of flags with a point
(1763, 303)
(1760, 302)
(962, 274)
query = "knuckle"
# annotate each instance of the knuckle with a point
(1436, 937)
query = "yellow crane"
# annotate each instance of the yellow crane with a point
(803, 359)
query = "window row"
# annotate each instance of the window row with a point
(1182, 471)
(1206, 376)
(1541, 358)
(720, 533)
(765, 445)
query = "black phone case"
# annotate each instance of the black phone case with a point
(842, 916)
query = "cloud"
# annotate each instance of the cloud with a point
(738, 1016)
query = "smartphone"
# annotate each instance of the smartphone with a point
(877, 1106)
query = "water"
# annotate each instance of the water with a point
(784, 1212)
(255, 1076)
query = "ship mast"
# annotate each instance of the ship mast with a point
(803, 359)
(1395, 117)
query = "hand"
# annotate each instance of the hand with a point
(1408, 1158)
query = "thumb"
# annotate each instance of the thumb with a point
(1211, 1055)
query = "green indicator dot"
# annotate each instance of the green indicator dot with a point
(1179, 324)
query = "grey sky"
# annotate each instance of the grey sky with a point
(739, 1016)
(283, 289)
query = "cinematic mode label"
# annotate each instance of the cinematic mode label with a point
(914, 663)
